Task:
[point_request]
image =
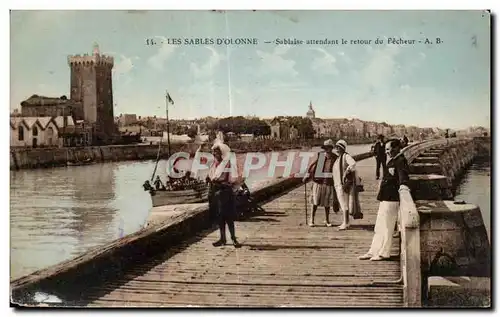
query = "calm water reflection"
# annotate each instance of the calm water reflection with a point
(56, 214)
(475, 188)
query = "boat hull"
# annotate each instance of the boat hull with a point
(189, 196)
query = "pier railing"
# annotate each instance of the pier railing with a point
(412, 151)
(410, 227)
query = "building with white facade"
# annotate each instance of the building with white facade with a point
(38, 131)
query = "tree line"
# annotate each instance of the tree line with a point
(257, 127)
(239, 125)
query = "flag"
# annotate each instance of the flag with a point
(169, 99)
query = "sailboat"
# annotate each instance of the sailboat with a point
(184, 190)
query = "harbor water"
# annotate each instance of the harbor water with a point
(475, 188)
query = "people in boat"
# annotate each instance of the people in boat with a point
(159, 184)
(147, 186)
(395, 177)
(221, 195)
(323, 193)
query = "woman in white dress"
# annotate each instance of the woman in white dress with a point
(395, 177)
(343, 166)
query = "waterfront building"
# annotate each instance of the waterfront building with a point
(90, 102)
(247, 137)
(43, 106)
(359, 127)
(127, 119)
(280, 129)
(37, 131)
(399, 130)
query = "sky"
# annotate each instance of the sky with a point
(428, 85)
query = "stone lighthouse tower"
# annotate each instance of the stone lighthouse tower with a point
(91, 85)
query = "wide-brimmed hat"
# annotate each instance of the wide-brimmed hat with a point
(328, 144)
(342, 144)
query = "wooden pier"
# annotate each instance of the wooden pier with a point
(283, 262)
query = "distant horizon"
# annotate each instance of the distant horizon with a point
(420, 85)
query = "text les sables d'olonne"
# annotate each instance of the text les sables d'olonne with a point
(289, 41)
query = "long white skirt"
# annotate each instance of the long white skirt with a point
(344, 198)
(384, 228)
(322, 195)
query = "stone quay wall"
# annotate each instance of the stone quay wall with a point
(451, 238)
(29, 158)
(440, 236)
(437, 171)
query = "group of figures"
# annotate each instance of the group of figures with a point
(338, 190)
(341, 190)
(341, 187)
(181, 183)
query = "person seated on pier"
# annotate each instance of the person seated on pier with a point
(244, 202)
(323, 194)
(221, 196)
(346, 190)
(395, 177)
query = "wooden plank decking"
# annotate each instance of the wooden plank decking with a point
(282, 262)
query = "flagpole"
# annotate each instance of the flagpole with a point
(168, 124)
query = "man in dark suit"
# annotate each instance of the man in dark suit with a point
(380, 155)
(396, 177)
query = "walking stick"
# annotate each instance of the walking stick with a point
(305, 200)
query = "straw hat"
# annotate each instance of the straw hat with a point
(328, 144)
(342, 144)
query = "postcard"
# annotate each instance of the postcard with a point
(222, 158)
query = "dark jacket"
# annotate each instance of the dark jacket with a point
(379, 150)
(405, 140)
(396, 173)
(326, 169)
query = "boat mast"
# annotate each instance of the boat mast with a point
(167, 101)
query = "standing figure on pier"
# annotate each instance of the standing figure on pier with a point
(380, 156)
(344, 180)
(323, 194)
(404, 142)
(221, 194)
(396, 176)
